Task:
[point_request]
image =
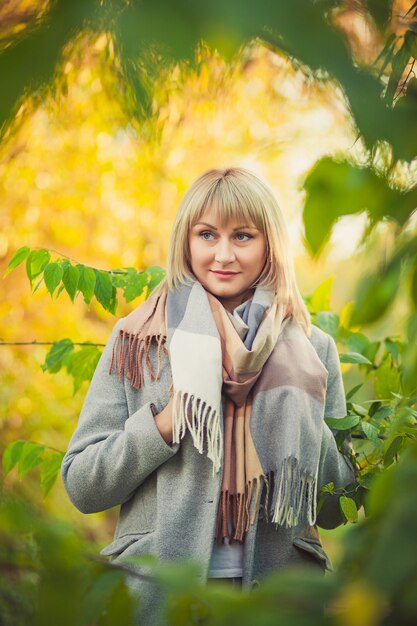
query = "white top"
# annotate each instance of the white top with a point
(226, 559)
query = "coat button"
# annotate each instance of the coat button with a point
(254, 584)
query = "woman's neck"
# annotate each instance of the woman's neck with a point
(231, 303)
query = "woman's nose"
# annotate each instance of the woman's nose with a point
(224, 252)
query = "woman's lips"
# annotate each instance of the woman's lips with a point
(224, 275)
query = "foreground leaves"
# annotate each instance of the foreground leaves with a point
(26, 455)
(53, 566)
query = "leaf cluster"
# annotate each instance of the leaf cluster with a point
(374, 431)
(26, 455)
(78, 278)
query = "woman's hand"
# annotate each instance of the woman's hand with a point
(164, 422)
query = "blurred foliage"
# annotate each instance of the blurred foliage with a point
(112, 105)
(46, 571)
(142, 43)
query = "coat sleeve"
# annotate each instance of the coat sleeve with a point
(334, 466)
(111, 452)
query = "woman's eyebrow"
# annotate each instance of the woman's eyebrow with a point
(237, 227)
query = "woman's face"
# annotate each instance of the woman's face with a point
(226, 260)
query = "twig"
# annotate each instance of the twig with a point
(46, 343)
(359, 436)
(404, 82)
(37, 443)
(64, 256)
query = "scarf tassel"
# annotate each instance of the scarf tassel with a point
(236, 508)
(192, 414)
(293, 490)
(129, 352)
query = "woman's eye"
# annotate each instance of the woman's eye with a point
(205, 233)
(244, 235)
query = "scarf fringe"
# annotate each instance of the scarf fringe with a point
(205, 420)
(294, 489)
(236, 508)
(129, 352)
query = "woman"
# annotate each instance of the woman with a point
(204, 417)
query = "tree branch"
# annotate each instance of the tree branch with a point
(64, 256)
(46, 343)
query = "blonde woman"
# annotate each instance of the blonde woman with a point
(204, 419)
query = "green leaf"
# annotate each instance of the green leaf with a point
(12, 454)
(49, 470)
(352, 391)
(374, 407)
(87, 282)
(19, 256)
(52, 276)
(328, 488)
(36, 263)
(58, 293)
(320, 299)
(327, 321)
(383, 413)
(409, 360)
(368, 478)
(156, 274)
(135, 285)
(413, 284)
(359, 409)
(393, 450)
(120, 607)
(353, 357)
(99, 594)
(374, 295)
(342, 423)
(394, 347)
(371, 432)
(30, 457)
(120, 276)
(357, 342)
(83, 364)
(70, 279)
(387, 379)
(336, 188)
(38, 284)
(349, 509)
(177, 577)
(104, 290)
(56, 355)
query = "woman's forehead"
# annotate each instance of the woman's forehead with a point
(220, 216)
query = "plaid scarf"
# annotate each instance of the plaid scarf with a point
(248, 386)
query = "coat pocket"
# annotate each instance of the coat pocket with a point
(315, 549)
(121, 543)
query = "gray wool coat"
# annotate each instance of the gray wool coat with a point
(167, 493)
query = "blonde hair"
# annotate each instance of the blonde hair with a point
(237, 193)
